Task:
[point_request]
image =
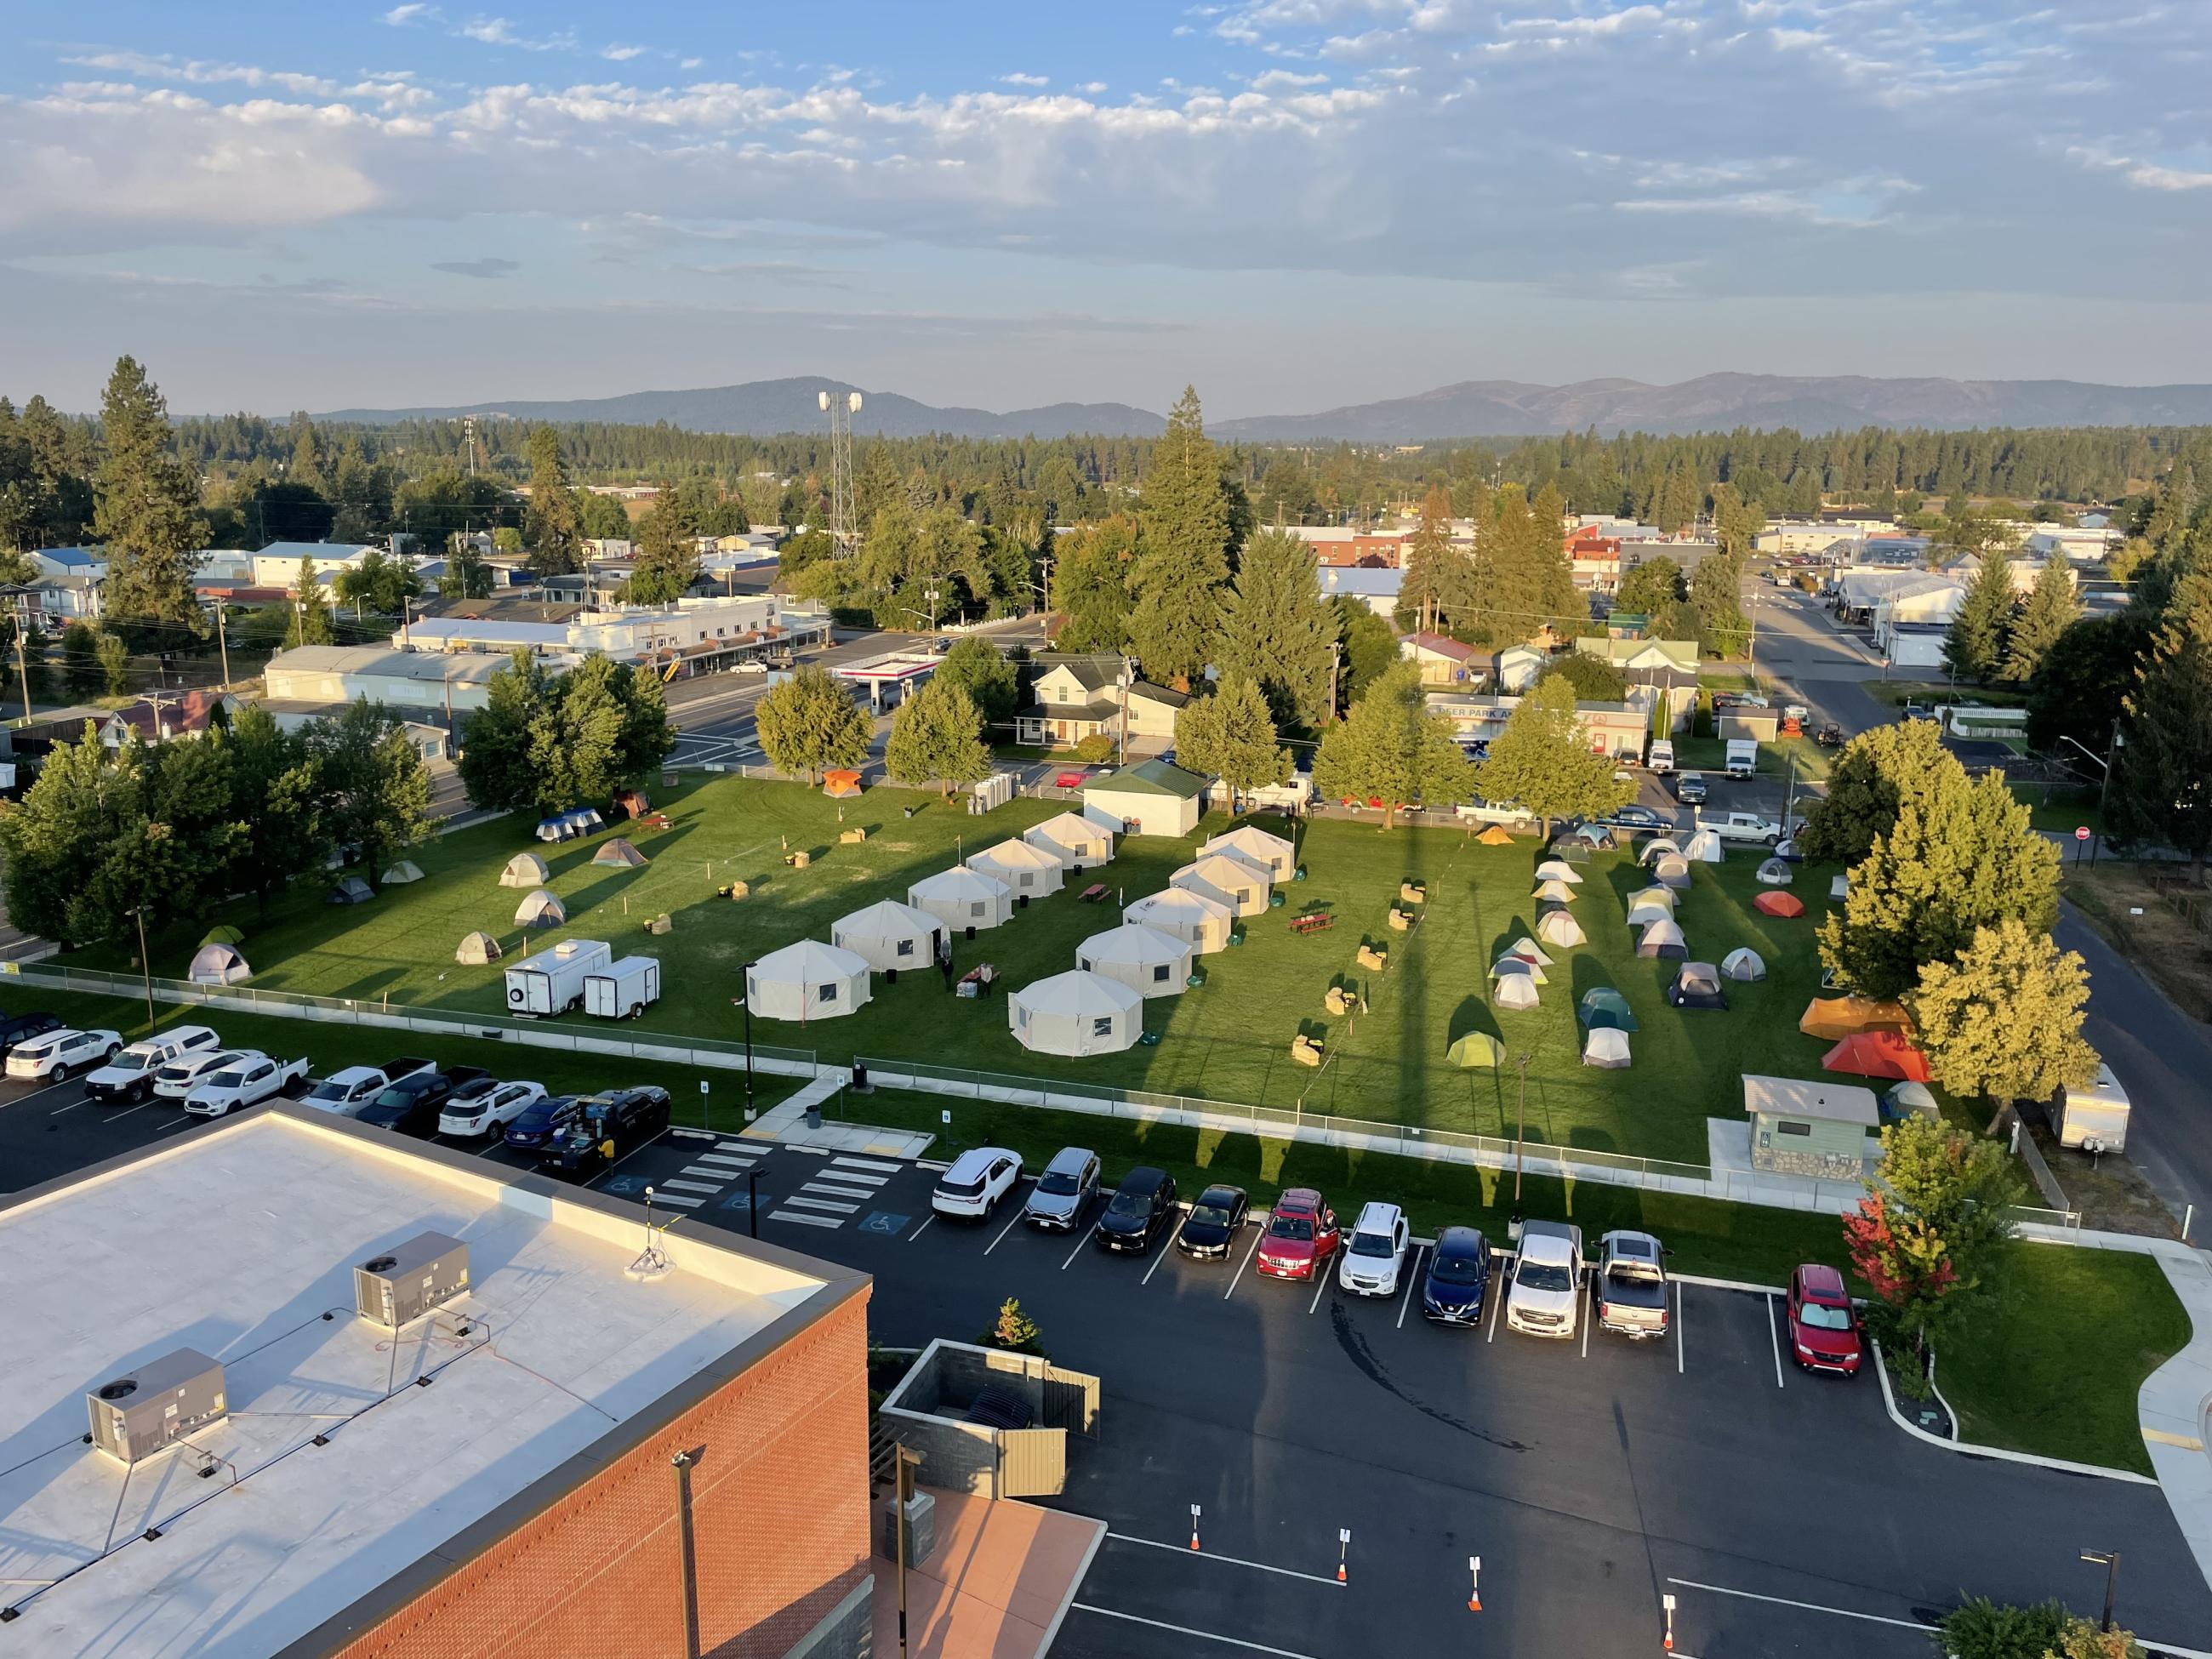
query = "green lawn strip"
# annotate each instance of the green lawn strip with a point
(1228, 1041)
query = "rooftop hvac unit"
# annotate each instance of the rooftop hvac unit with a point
(407, 1282)
(157, 1405)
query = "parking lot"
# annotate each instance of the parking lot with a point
(1592, 1477)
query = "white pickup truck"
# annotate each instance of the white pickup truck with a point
(247, 1081)
(1741, 826)
(1546, 1296)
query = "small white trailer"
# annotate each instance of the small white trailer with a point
(626, 988)
(552, 982)
(2097, 1114)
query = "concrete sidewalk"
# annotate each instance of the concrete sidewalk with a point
(2175, 1404)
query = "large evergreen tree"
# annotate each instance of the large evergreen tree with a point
(810, 723)
(1427, 554)
(1975, 647)
(2162, 782)
(2049, 611)
(1183, 547)
(552, 528)
(148, 506)
(1278, 631)
(311, 607)
(667, 553)
(1090, 586)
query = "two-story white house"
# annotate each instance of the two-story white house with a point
(1083, 698)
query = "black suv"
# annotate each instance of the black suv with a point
(605, 1128)
(411, 1104)
(1141, 1206)
(21, 1028)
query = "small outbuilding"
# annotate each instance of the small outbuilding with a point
(1151, 798)
(1079, 843)
(1743, 964)
(1271, 853)
(616, 852)
(351, 890)
(218, 964)
(1697, 985)
(1800, 1128)
(1784, 907)
(540, 909)
(1205, 923)
(1560, 927)
(807, 982)
(1663, 939)
(524, 870)
(1606, 1046)
(1075, 1014)
(1776, 872)
(1148, 962)
(1242, 887)
(888, 935)
(962, 897)
(476, 950)
(1027, 872)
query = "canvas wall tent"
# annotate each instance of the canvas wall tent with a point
(1698, 985)
(1646, 913)
(1203, 923)
(524, 870)
(807, 982)
(1606, 1046)
(476, 949)
(960, 897)
(1028, 871)
(1554, 892)
(1779, 904)
(539, 909)
(1672, 873)
(1705, 847)
(1074, 839)
(1148, 962)
(1877, 1054)
(1242, 887)
(1515, 991)
(888, 935)
(1776, 872)
(402, 872)
(1075, 1014)
(1558, 870)
(1743, 963)
(1602, 1006)
(352, 891)
(1277, 856)
(1663, 939)
(1833, 1018)
(218, 964)
(1562, 929)
(1660, 846)
(618, 853)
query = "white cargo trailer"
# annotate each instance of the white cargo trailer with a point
(2097, 1113)
(552, 982)
(625, 988)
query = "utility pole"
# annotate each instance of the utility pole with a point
(23, 668)
(1520, 1128)
(1335, 657)
(145, 967)
(1123, 759)
(222, 642)
(841, 407)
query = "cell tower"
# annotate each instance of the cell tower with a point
(842, 406)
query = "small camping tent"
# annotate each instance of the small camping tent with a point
(1079, 843)
(1602, 1006)
(402, 872)
(1515, 991)
(1203, 923)
(218, 964)
(1028, 871)
(1496, 836)
(1697, 985)
(1558, 870)
(1606, 1046)
(1478, 1051)
(1775, 873)
(222, 934)
(539, 909)
(1833, 1018)
(476, 950)
(633, 803)
(1743, 963)
(615, 852)
(1560, 928)
(807, 982)
(1074, 1014)
(1148, 962)
(1507, 967)
(1705, 847)
(524, 870)
(1877, 1054)
(1525, 946)
(1660, 846)
(1277, 856)
(1242, 887)
(1663, 938)
(841, 784)
(1595, 836)
(1672, 871)
(1778, 903)
(888, 935)
(1910, 1100)
(351, 890)
(1646, 912)
(961, 897)
(1665, 897)
(1554, 892)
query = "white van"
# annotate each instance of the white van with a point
(129, 1076)
(1661, 756)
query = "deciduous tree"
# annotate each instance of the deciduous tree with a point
(992, 684)
(1230, 735)
(1874, 774)
(376, 799)
(2002, 1019)
(937, 736)
(810, 723)
(1390, 749)
(1651, 588)
(1543, 761)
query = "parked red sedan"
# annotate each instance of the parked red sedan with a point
(1301, 1236)
(1824, 1327)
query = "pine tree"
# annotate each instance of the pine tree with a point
(310, 607)
(937, 736)
(667, 554)
(810, 723)
(1976, 644)
(1231, 736)
(1278, 631)
(1389, 748)
(1181, 569)
(2163, 769)
(114, 664)
(81, 659)
(1427, 553)
(551, 526)
(1543, 763)
(148, 508)
(2049, 611)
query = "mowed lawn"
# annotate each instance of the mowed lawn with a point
(1228, 1040)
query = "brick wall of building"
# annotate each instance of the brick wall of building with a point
(780, 1508)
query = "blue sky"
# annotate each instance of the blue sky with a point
(1295, 204)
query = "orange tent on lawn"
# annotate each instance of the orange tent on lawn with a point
(1878, 1053)
(1495, 835)
(1776, 902)
(1833, 1018)
(841, 785)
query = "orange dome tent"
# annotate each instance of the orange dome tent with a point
(1833, 1018)
(1778, 903)
(1878, 1053)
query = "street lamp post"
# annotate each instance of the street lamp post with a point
(2110, 1560)
(145, 967)
(745, 1002)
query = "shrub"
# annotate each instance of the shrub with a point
(1095, 748)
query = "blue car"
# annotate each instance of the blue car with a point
(1635, 817)
(1459, 1273)
(542, 1121)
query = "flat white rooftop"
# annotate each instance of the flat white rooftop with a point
(237, 1242)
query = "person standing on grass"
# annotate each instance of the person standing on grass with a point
(985, 976)
(945, 962)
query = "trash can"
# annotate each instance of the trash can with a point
(860, 1087)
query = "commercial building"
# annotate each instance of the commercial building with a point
(579, 1440)
(1610, 728)
(692, 635)
(1376, 588)
(323, 675)
(1336, 545)
(1441, 659)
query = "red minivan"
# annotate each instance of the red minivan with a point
(1301, 1236)
(1824, 1327)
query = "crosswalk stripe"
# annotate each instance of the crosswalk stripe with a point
(820, 1204)
(851, 1180)
(810, 1220)
(867, 1164)
(718, 1171)
(724, 1161)
(836, 1191)
(677, 1199)
(691, 1186)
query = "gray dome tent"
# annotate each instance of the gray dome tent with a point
(402, 872)
(1663, 938)
(1743, 963)
(540, 909)
(352, 891)
(1606, 1046)
(618, 853)
(476, 949)
(1698, 985)
(1776, 872)
(524, 870)
(218, 964)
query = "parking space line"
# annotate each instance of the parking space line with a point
(1497, 1297)
(1012, 1222)
(809, 1220)
(1232, 1561)
(181, 1123)
(1412, 1279)
(1081, 1239)
(1162, 1255)
(919, 1230)
(676, 1199)
(1773, 1341)
(1257, 1234)
(1678, 1327)
(692, 1186)
(875, 1163)
(1185, 1630)
(836, 1191)
(1807, 1607)
(1589, 1318)
(1318, 1288)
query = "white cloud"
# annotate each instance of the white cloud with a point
(2157, 178)
(1019, 79)
(621, 54)
(400, 16)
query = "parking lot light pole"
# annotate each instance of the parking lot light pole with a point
(2110, 1560)
(745, 1002)
(145, 968)
(1520, 1130)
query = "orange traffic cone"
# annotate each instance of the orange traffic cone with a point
(1474, 1602)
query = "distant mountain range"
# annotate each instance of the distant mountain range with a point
(1472, 409)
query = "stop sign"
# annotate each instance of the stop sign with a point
(2081, 833)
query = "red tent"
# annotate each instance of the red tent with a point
(1776, 902)
(1878, 1053)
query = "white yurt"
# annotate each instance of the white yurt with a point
(1028, 871)
(1705, 847)
(1606, 1046)
(523, 870)
(1776, 872)
(1242, 887)
(1183, 913)
(1075, 1014)
(1147, 960)
(1660, 846)
(1277, 856)
(888, 935)
(959, 897)
(218, 964)
(807, 982)
(1074, 839)
(1558, 870)
(1743, 963)
(1515, 991)
(1560, 927)
(1554, 892)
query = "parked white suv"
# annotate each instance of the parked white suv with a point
(57, 1054)
(1376, 1253)
(1545, 1298)
(484, 1103)
(177, 1080)
(978, 1179)
(130, 1075)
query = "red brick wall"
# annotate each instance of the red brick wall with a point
(780, 1508)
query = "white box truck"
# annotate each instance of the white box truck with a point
(2097, 1113)
(552, 982)
(623, 989)
(1742, 757)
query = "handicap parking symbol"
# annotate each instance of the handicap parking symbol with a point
(882, 1221)
(621, 1184)
(739, 1201)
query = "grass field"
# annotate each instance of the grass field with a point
(1228, 1040)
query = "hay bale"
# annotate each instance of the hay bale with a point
(800, 861)
(741, 890)
(660, 924)
(1413, 892)
(1305, 1051)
